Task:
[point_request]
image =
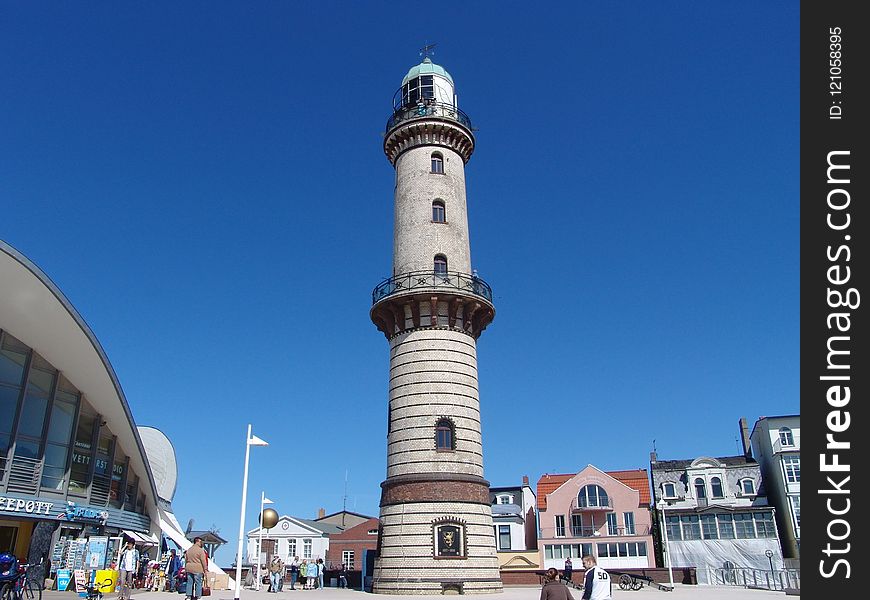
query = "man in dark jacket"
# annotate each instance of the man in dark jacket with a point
(172, 567)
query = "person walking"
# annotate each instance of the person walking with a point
(596, 585)
(128, 568)
(568, 569)
(172, 567)
(196, 566)
(294, 572)
(553, 588)
(276, 571)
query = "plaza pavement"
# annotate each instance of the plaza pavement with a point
(681, 592)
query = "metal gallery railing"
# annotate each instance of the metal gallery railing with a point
(778, 579)
(427, 109)
(431, 280)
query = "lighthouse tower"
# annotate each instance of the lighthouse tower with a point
(436, 523)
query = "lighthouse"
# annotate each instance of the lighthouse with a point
(436, 533)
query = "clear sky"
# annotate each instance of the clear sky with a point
(206, 183)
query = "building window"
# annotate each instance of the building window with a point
(628, 519)
(611, 524)
(792, 466)
(668, 490)
(700, 489)
(785, 437)
(577, 526)
(306, 548)
(444, 435)
(743, 526)
(796, 509)
(592, 495)
(747, 486)
(716, 487)
(504, 537)
(504, 499)
(560, 525)
(437, 163)
(291, 547)
(440, 264)
(764, 525)
(347, 559)
(373, 532)
(691, 527)
(672, 526)
(439, 213)
(708, 527)
(726, 526)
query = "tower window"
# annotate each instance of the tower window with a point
(440, 264)
(439, 213)
(437, 163)
(444, 435)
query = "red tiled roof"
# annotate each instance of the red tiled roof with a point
(636, 479)
(547, 484)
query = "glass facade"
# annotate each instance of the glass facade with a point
(52, 442)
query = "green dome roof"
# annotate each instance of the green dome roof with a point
(427, 67)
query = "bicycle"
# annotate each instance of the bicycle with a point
(21, 587)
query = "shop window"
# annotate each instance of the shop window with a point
(82, 455)
(13, 358)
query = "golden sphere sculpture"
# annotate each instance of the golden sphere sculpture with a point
(269, 518)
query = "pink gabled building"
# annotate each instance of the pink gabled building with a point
(605, 514)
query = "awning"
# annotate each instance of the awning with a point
(146, 539)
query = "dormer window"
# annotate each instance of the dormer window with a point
(747, 487)
(716, 487)
(700, 489)
(786, 438)
(668, 490)
(504, 499)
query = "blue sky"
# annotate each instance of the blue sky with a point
(206, 183)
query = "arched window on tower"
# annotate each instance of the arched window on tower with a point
(444, 438)
(437, 163)
(439, 213)
(440, 264)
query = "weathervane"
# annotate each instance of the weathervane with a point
(427, 50)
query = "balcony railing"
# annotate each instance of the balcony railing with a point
(430, 280)
(578, 504)
(593, 532)
(427, 110)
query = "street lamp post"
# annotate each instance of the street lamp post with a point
(769, 554)
(263, 500)
(667, 546)
(250, 440)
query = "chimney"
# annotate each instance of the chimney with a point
(321, 513)
(525, 480)
(744, 438)
(653, 457)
